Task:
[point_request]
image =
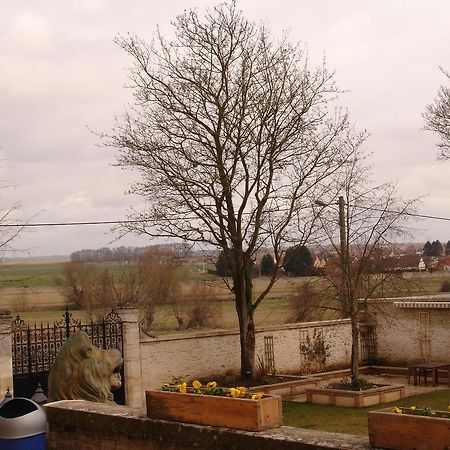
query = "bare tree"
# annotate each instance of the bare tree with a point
(88, 287)
(437, 118)
(306, 303)
(363, 233)
(9, 228)
(159, 283)
(233, 134)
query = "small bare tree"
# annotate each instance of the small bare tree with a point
(371, 221)
(306, 303)
(233, 134)
(75, 283)
(146, 283)
(9, 229)
(437, 118)
(88, 287)
(159, 282)
(203, 308)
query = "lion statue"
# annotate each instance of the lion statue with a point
(82, 371)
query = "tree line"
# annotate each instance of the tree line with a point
(297, 262)
(435, 248)
(122, 254)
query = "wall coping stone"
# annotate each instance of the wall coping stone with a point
(233, 332)
(88, 418)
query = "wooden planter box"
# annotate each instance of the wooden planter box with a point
(239, 413)
(355, 399)
(287, 390)
(395, 431)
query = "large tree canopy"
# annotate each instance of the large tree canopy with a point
(298, 261)
(233, 134)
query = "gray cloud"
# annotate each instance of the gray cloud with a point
(60, 72)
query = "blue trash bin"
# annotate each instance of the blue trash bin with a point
(23, 425)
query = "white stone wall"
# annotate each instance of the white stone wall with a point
(6, 377)
(402, 335)
(209, 353)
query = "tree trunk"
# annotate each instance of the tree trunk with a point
(355, 348)
(243, 297)
(247, 340)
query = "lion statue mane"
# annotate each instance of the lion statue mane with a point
(82, 371)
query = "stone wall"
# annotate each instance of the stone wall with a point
(406, 334)
(80, 425)
(6, 375)
(204, 354)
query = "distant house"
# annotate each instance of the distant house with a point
(319, 263)
(422, 265)
(407, 263)
(443, 264)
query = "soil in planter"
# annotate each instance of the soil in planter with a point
(360, 384)
(231, 379)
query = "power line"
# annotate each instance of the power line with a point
(65, 224)
(125, 221)
(422, 216)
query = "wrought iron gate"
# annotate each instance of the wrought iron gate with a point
(34, 348)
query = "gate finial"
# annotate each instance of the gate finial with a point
(39, 397)
(8, 397)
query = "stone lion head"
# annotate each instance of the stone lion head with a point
(82, 371)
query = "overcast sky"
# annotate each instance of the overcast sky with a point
(60, 73)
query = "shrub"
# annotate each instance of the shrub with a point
(306, 304)
(201, 306)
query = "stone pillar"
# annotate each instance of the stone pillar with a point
(6, 371)
(134, 395)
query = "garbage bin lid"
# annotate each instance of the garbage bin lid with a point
(21, 418)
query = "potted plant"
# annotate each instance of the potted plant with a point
(213, 405)
(401, 428)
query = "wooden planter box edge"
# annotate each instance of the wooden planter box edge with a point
(237, 413)
(408, 431)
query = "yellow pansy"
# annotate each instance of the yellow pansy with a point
(413, 408)
(235, 393)
(397, 410)
(183, 388)
(256, 396)
(196, 384)
(211, 385)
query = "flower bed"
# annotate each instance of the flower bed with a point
(213, 405)
(409, 429)
(355, 399)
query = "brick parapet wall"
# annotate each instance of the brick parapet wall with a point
(75, 425)
(210, 353)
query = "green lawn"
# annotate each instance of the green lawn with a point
(352, 420)
(29, 275)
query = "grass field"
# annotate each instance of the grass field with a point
(352, 420)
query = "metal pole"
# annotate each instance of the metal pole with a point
(343, 240)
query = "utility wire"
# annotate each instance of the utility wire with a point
(65, 224)
(125, 221)
(422, 216)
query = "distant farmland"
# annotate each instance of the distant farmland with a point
(31, 290)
